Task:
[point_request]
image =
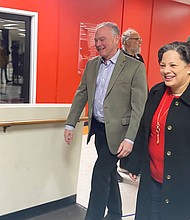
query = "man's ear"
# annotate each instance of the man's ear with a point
(117, 39)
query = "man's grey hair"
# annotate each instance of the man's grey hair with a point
(111, 25)
(126, 35)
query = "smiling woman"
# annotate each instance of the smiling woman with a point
(162, 142)
(175, 67)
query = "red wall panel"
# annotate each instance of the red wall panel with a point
(48, 40)
(138, 15)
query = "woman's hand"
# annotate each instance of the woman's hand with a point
(133, 176)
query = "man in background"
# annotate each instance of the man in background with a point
(131, 46)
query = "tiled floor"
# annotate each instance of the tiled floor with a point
(73, 212)
(10, 93)
(128, 187)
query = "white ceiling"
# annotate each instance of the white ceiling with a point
(16, 29)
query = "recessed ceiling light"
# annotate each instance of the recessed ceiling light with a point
(12, 28)
(9, 25)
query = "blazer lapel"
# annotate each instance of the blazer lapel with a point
(117, 70)
(95, 75)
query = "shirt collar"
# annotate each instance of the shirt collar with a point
(113, 59)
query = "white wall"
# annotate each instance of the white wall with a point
(36, 165)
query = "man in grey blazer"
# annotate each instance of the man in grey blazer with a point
(114, 85)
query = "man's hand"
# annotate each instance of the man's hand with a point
(68, 134)
(124, 149)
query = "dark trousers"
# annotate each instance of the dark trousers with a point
(123, 162)
(155, 208)
(104, 185)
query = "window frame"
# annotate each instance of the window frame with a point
(33, 16)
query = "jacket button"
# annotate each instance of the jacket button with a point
(176, 103)
(168, 177)
(167, 201)
(169, 127)
(169, 153)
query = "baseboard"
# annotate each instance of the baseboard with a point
(40, 209)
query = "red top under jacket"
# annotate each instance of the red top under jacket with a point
(156, 150)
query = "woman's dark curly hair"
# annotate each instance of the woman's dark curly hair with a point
(182, 48)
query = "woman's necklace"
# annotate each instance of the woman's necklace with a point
(158, 120)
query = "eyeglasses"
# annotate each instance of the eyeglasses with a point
(135, 38)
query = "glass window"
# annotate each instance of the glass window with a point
(14, 58)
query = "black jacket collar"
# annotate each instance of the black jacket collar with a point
(161, 87)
